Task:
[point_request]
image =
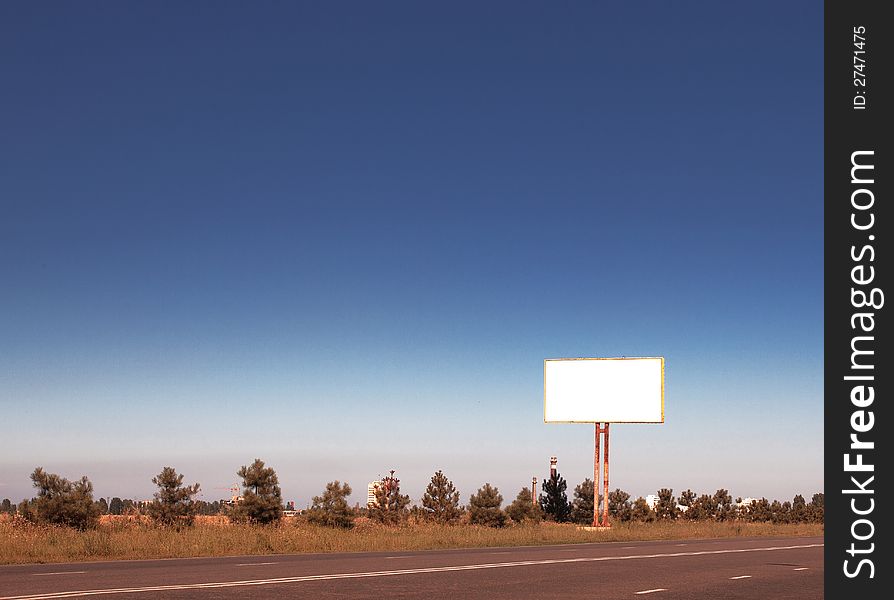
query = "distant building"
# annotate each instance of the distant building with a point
(235, 497)
(234, 500)
(747, 501)
(371, 493)
(652, 501)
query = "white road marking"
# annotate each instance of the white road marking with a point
(741, 577)
(255, 564)
(256, 582)
(627, 547)
(397, 557)
(681, 544)
(801, 569)
(651, 591)
(59, 573)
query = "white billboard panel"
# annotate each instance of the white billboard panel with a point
(603, 390)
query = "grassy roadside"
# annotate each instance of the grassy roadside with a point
(22, 543)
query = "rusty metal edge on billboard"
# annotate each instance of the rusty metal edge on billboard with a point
(661, 358)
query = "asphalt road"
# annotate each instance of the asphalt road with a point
(718, 569)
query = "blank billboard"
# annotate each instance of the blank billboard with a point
(603, 390)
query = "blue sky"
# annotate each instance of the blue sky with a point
(342, 237)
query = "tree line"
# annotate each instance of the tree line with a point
(689, 506)
(70, 503)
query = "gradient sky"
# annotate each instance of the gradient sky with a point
(343, 236)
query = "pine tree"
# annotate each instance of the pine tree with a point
(6, 506)
(640, 511)
(441, 500)
(582, 506)
(758, 511)
(777, 512)
(484, 507)
(738, 509)
(787, 516)
(702, 508)
(173, 503)
(666, 507)
(694, 511)
(332, 509)
(816, 508)
(416, 515)
(619, 505)
(116, 506)
(390, 507)
(687, 498)
(554, 500)
(723, 505)
(262, 497)
(524, 509)
(62, 502)
(799, 509)
(129, 507)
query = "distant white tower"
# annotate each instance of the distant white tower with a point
(371, 493)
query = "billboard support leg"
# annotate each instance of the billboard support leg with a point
(596, 476)
(601, 436)
(605, 522)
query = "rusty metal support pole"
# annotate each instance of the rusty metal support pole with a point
(605, 480)
(534, 491)
(596, 477)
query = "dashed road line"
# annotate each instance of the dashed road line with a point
(801, 569)
(650, 591)
(741, 577)
(59, 573)
(255, 564)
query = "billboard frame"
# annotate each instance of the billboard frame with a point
(661, 358)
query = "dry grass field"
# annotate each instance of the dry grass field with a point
(134, 538)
